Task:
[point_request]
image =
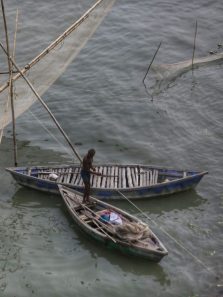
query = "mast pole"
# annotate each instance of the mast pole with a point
(149, 68)
(195, 35)
(10, 67)
(147, 71)
(43, 103)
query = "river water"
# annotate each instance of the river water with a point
(101, 102)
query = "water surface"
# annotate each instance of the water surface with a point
(101, 102)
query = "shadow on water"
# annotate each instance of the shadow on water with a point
(35, 199)
(135, 266)
(179, 201)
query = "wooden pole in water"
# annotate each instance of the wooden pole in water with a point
(151, 65)
(195, 35)
(10, 67)
(44, 104)
(16, 29)
(152, 60)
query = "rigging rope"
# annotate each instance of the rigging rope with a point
(43, 103)
(170, 236)
(50, 133)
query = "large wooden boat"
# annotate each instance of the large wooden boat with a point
(134, 181)
(113, 227)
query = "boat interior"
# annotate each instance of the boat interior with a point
(113, 177)
(122, 229)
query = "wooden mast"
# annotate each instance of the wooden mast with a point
(195, 35)
(10, 67)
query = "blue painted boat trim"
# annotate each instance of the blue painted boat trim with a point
(159, 189)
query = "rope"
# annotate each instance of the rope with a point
(50, 133)
(170, 236)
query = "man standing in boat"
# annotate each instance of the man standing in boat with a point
(86, 171)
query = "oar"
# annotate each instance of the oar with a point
(95, 220)
(92, 212)
(93, 215)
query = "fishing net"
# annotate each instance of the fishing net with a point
(163, 75)
(43, 71)
(132, 231)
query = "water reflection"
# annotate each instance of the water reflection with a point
(98, 254)
(134, 266)
(129, 265)
(157, 205)
(35, 199)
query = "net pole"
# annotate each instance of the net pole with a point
(44, 104)
(10, 67)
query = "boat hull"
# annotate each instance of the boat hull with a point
(121, 247)
(175, 185)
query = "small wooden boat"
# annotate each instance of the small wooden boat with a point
(134, 181)
(113, 227)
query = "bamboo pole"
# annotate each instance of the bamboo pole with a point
(10, 67)
(94, 218)
(44, 104)
(15, 36)
(195, 35)
(54, 43)
(151, 65)
(152, 60)
(97, 222)
(101, 228)
(6, 72)
(11, 88)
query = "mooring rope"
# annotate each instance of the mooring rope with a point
(170, 236)
(51, 134)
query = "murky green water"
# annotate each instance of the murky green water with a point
(101, 102)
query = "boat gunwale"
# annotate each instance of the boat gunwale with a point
(109, 164)
(11, 170)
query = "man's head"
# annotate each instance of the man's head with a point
(91, 153)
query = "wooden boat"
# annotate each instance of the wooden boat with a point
(134, 181)
(113, 227)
